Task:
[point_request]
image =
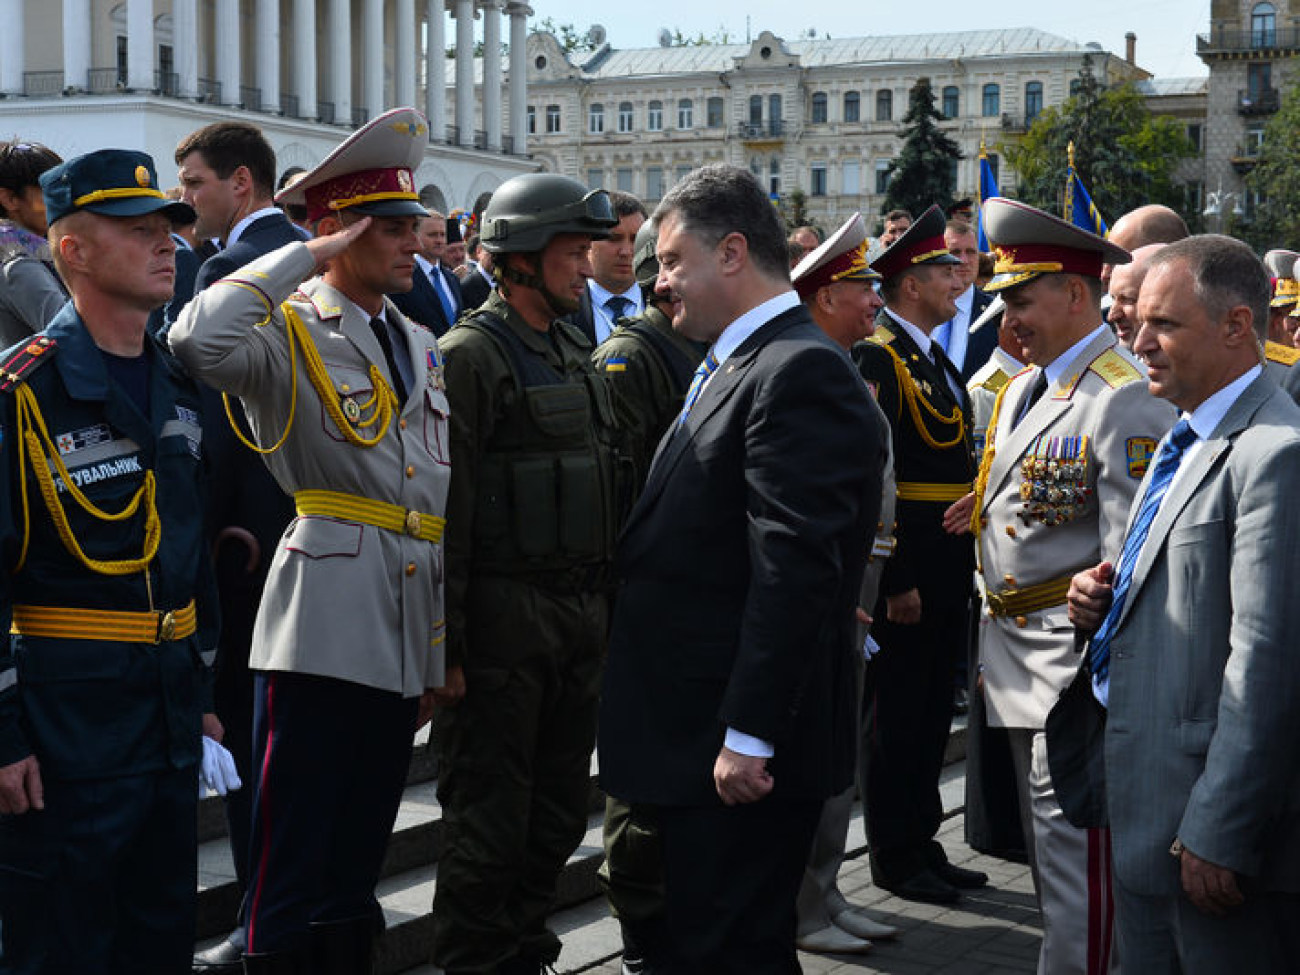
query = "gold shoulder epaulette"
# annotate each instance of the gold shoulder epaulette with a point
(996, 381)
(1276, 352)
(24, 359)
(1115, 369)
(882, 336)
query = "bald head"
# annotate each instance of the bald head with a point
(1150, 224)
(1125, 283)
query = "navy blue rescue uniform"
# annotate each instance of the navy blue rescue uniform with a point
(103, 880)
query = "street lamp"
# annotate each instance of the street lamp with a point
(1218, 199)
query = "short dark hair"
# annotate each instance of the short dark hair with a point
(21, 165)
(898, 215)
(225, 146)
(625, 204)
(958, 227)
(287, 175)
(714, 201)
(1225, 273)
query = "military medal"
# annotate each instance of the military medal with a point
(351, 410)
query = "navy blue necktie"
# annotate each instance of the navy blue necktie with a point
(444, 298)
(1180, 438)
(618, 307)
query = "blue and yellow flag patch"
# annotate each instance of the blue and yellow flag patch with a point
(1140, 450)
(616, 363)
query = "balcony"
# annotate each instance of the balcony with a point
(773, 130)
(250, 98)
(359, 116)
(209, 91)
(1015, 123)
(325, 113)
(167, 83)
(288, 105)
(1245, 158)
(42, 84)
(104, 81)
(1258, 101)
(1258, 42)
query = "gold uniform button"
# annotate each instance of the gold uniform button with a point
(410, 568)
(1022, 622)
(1009, 579)
(1011, 530)
(402, 423)
(410, 471)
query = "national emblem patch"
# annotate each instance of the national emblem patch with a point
(1140, 450)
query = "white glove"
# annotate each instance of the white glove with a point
(870, 647)
(217, 772)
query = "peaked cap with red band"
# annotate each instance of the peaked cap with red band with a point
(921, 244)
(843, 257)
(1281, 266)
(371, 172)
(1028, 242)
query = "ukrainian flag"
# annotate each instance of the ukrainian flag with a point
(1079, 208)
(988, 189)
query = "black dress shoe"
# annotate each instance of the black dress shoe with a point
(220, 959)
(960, 877)
(924, 885)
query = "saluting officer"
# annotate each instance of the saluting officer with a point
(533, 513)
(1066, 448)
(346, 398)
(105, 597)
(921, 619)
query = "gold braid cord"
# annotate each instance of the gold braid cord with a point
(909, 392)
(986, 462)
(41, 452)
(380, 405)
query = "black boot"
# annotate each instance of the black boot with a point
(343, 947)
(275, 963)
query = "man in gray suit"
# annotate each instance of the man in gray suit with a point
(1192, 638)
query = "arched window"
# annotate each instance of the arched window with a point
(1033, 100)
(654, 119)
(819, 113)
(755, 109)
(852, 106)
(625, 116)
(992, 102)
(685, 114)
(1263, 25)
(951, 102)
(596, 118)
(714, 107)
(884, 105)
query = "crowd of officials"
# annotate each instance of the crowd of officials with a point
(289, 470)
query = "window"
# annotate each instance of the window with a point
(625, 116)
(654, 183)
(685, 114)
(993, 165)
(532, 119)
(1075, 86)
(884, 105)
(1195, 196)
(1254, 140)
(882, 178)
(850, 177)
(852, 106)
(992, 102)
(683, 172)
(774, 113)
(817, 179)
(819, 113)
(552, 118)
(1033, 100)
(623, 179)
(774, 175)
(951, 102)
(715, 113)
(654, 119)
(595, 178)
(121, 60)
(1263, 25)
(1194, 136)
(596, 118)
(1259, 81)
(755, 109)
(756, 167)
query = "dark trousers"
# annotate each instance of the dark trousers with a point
(330, 765)
(102, 882)
(633, 878)
(731, 876)
(908, 714)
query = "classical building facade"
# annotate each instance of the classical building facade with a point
(1251, 51)
(84, 74)
(821, 116)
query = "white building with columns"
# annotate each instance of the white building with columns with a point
(80, 75)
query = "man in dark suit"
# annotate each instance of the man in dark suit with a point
(733, 714)
(435, 300)
(612, 292)
(476, 281)
(1192, 645)
(227, 174)
(966, 350)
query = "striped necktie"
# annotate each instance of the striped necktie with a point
(702, 374)
(1180, 438)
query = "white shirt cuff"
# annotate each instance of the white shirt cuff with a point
(745, 744)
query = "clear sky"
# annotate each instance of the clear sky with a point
(1166, 29)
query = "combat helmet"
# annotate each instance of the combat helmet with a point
(527, 211)
(645, 262)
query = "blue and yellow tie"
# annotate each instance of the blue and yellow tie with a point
(702, 374)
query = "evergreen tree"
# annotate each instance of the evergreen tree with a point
(1124, 156)
(925, 171)
(1276, 178)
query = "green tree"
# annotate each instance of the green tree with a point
(570, 38)
(925, 171)
(1125, 156)
(794, 209)
(1276, 179)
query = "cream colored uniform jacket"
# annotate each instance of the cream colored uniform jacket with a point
(1028, 661)
(343, 599)
(983, 389)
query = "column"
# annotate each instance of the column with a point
(185, 46)
(227, 50)
(76, 43)
(267, 67)
(465, 71)
(340, 72)
(406, 35)
(435, 70)
(492, 72)
(139, 45)
(12, 37)
(304, 56)
(372, 58)
(519, 14)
